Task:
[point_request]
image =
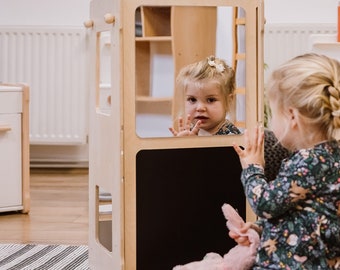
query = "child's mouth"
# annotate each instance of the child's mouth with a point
(201, 117)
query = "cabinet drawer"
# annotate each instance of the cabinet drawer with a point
(10, 160)
(10, 102)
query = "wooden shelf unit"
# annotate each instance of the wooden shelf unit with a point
(170, 28)
(138, 171)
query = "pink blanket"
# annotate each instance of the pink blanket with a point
(238, 258)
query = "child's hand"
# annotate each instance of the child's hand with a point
(240, 237)
(184, 128)
(253, 152)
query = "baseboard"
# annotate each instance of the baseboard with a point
(59, 156)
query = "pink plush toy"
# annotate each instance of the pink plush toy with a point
(238, 258)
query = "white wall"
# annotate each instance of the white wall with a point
(44, 12)
(301, 11)
(74, 12)
(303, 15)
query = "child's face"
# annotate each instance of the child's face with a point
(205, 102)
(278, 124)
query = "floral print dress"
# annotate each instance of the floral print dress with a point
(299, 211)
(228, 128)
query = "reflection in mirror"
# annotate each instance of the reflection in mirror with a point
(169, 38)
(104, 222)
(103, 96)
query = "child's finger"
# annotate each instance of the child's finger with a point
(261, 138)
(188, 122)
(247, 141)
(196, 127)
(180, 124)
(173, 131)
(238, 149)
(256, 138)
(241, 240)
(246, 227)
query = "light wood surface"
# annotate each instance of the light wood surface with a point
(114, 144)
(25, 152)
(58, 213)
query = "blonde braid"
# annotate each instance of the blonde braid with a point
(311, 84)
(334, 99)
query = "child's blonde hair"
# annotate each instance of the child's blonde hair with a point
(309, 83)
(209, 69)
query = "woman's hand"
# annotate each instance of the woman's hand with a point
(253, 152)
(184, 128)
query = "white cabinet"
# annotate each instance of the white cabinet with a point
(14, 148)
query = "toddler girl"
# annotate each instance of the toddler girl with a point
(209, 87)
(299, 211)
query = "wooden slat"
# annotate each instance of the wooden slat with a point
(240, 21)
(240, 56)
(240, 91)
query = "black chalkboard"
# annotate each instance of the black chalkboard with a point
(180, 193)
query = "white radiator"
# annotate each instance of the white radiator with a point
(284, 41)
(53, 62)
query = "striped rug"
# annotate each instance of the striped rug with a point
(41, 257)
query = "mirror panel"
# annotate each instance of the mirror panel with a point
(178, 208)
(167, 40)
(104, 222)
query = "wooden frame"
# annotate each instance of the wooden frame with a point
(25, 150)
(113, 142)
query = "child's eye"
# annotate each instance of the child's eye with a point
(211, 100)
(191, 99)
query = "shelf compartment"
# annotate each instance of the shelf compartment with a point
(154, 105)
(156, 21)
(154, 39)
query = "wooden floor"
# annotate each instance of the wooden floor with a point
(58, 213)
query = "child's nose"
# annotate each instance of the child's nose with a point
(200, 106)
